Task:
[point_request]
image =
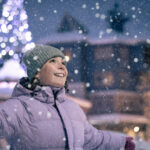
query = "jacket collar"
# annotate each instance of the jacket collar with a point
(45, 94)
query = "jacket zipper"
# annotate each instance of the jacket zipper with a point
(64, 127)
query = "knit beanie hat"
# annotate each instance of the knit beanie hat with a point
(34, 59)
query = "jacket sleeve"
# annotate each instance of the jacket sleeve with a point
(102, 140)
(8, 118)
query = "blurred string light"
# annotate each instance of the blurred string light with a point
(14, 33)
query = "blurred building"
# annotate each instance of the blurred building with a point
(114, 73)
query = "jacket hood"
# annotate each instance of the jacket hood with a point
(46, 94)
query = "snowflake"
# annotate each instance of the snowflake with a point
(64, 139)
(76, 71)
(108, 31)
(18, 140)
(49, 114)
(35, 57)
(40, 113)
(38, 69)
(39, 1)
(41, 18)
(148, 41)
(135, 36)
(84, 6)
(62, 48)
(29, 85)
(127, 33)
(92, 91)
(118, 59)
(87, 84)
(133, 8)
(128, 67)
(103, 70)
(31, 99)
(8, 147)
(136, 60)
(43, 88)
(80, 32)
(97, 15)
(97, 7)
(112, 55)
(15, 109)
(103, 16)
(74, 55)
(55, 11)
(73, 91)
(133, 16)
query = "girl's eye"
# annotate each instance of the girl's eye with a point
(52, 60)
(64, 63)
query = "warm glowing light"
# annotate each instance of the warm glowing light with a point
(136, 129)
(11, 52)
(3, 52)
(3, 45)
(28, 36)
(67, 58)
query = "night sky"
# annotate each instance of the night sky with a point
(44, 17)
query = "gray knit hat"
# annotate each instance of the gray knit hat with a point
(34, 59)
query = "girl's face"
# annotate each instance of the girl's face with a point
(53, 72)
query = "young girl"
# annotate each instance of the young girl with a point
(38, 116)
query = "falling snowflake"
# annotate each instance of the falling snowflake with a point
(97, 15)
(62, 48)
(128, 67)
(54, 11)
(40, 113)
(118, 59)
(80, 32)
(92, 91)
(15, 109)
(103, 70)
(112, 55)
(133, 8)
(135, 36)
(8, 147)
(108, 31)
(76, 71)
(43, 88)
(133, 16)
(41, 18)
(39, 1)
(64, 139)
(29, 85)
(84, 6)
(103, 16)
(73, 91)
(127, 33)
(136, 60)
(49, 114)
(148, 41)
(87, 84)
(35, 57)
(18, 140)
(38, 69)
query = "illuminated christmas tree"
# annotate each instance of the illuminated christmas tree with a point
(15, 38)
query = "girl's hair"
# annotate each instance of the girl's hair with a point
(31, 85)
